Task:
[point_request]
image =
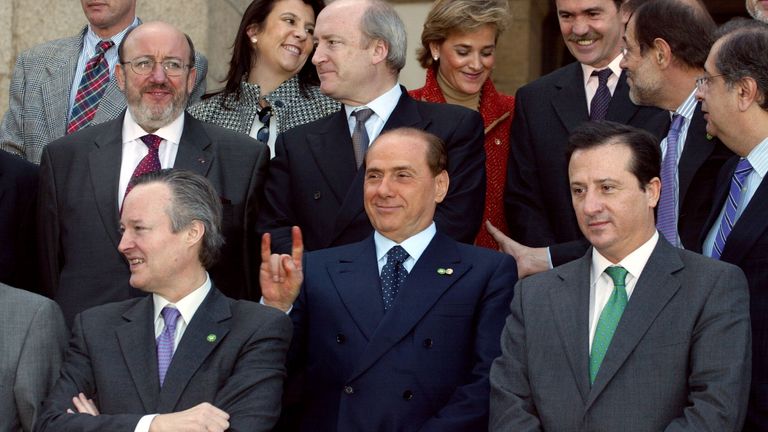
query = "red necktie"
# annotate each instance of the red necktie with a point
(150, 162)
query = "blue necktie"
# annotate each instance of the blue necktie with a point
(731, 206)
(667, 222)
(393, 275)
(165, 341)
(599, 106)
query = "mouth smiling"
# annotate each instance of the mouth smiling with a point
(292, 49)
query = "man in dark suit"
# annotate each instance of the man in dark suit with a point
(636, 335)
(84, 177)
(734, 95)
(315, 179)
(537, 200)
(395, 332)
(18, 192)
(185, 358)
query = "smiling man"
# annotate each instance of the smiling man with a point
(634, 336)
(79, 208)
(395, 332)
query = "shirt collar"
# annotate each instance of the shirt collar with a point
(383, 105)
(414, 245)
(634, 262)
(758, 158)
(170, 132)
(613, 65)
(92, 39)
(188, 305)
(688, 106)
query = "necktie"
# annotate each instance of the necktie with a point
(393, 275)
(91, 88)
(360, 135)
(609, 320)
(731, 205)
(599, 106)
(150, 162)
(666, 222)
(165, 341)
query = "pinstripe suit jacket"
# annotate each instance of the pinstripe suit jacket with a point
(289, 106)
(38, 103)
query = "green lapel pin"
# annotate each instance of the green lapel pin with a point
(211, 338)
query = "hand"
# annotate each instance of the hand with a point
(84, 405)
(529, 260)
(200, 418)
(281, 276)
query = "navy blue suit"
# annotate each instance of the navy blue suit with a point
(423, 365)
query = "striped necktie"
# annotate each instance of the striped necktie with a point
(91, 88)
(731, 206)
(667, 220)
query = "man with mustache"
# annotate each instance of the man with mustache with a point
(52, 91)
(85, 176)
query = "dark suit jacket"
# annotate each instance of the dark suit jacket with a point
(537, 199)
(78, 216)
(314, 181)
(18, 192)
(421, 366)
(112, 359)
(747, 247)
(678, 361)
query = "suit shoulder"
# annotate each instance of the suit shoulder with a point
(252, 317)
(21, 170)
(51, 48)
(73, 142)
(108, 312)
(17, 299)
(546, 82)
(706, 266)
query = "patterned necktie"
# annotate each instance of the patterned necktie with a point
(393, 275)
(667, 221)
(91, 88)
(599, 106)
(731, 205)
(609, 320)
(150, 162)
(165, 341)
(360, 139)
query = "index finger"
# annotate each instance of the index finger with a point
(297, 245)
(265, 247)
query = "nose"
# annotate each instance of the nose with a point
(700, 93)
(593, 203)
(475, 63)
(580, 27)
(301, 33)
(126, 243)
(385, 187)
(623, 62)
(158, 73)
(319, 55)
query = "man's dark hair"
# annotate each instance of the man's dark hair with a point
(645, 163)
(689, 30)
(437, 155)
(742, 55)
(192, 198)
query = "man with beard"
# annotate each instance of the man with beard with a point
(85, 176)
(758, 9)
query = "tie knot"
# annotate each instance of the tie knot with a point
(742, 169)
(152, 141)
(618, 274)
(170, 315)
(103, 46)
(603, 75)
(397, 255)
(362, 115)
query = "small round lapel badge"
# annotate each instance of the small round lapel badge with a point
(211, 338)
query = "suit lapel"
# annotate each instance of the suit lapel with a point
(621, 109)
(656, 286)
(423, 288)
(104, 167)
(696, 151)
(570, 308)
(137, 344)
(211, 318)
(749, 227)
(331, 147)
(56, 91)
(195, 150)
(111, 103)
(570, 102)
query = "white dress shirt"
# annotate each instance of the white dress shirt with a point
(601, 285)
(187, 307)
(382, 108)
(414, 245)
(134, 148)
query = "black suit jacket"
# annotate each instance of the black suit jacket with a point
(314, 181)
(18, 192)
(537, 199)
(78, 218)
(112, 359)
(747, 247)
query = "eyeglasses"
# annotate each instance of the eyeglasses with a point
(145, 66)
(265, 114)
(703, 81)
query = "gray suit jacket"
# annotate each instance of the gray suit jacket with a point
(33, 338)
(38, 102)
(112, 359)
(679, 360)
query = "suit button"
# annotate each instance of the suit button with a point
(427, 343)
(340, 338)
(349, 390)
(407, 395)
(316, 195)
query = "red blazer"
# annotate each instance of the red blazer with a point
(497, 110)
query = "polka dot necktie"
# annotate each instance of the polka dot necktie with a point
(165, 341)
(150, 162)
(599, 106)
(609, 320)
(393, 275)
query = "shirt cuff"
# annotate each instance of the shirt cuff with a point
(261, 302)
(144, 423)
(549, 259)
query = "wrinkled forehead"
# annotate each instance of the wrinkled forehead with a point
(157, 42)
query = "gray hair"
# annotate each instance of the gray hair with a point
(192, 198)
(380, 21)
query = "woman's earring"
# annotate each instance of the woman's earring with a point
(254, 40)
(436, 57)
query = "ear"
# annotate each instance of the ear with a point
(194, 233)
(380, 51)
(191, 78)
(252, 30)
(663, 53)
(746, 91)
(441, 186)
(653, 190)
(120, 76)
(434, 49)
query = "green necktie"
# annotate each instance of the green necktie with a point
(609, 320)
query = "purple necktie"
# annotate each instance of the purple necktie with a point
(150, 162)
(599, 106)
(91, 88)
(393, 275)
(731, 205)
(165, 341)
(667, 222)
